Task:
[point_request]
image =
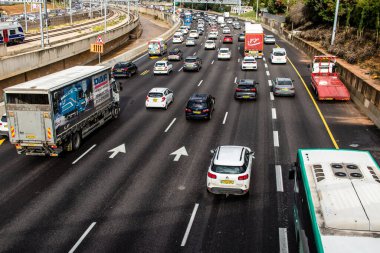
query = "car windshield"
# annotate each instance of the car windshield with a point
(193, 31)
(197, 104)
(155, 95)
(190, 60)
(224, 51)
(160, 64)
(284, 82)
(279, 53)
(228, 169)
(245, 81)
(173, 52)
(269, 37)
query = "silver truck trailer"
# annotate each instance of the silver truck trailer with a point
(54, 113)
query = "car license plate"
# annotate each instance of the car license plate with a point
(227, 181)
(30, 136)
(285, 89)
(196, 112)
(155, 100)
(119, 70)
(245, 96)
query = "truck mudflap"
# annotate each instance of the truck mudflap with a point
(37, 149)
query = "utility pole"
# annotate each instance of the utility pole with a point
(257, 9)
(335, 21)
(25, 17)
(41, 27)
(105, 18)
(71, 13)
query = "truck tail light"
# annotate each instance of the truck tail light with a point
(244, 177)
(210, 175)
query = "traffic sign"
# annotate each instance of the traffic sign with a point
(99, 40)
(97, 48)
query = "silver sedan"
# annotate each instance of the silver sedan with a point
(283, 86)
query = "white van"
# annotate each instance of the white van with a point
(278, 55)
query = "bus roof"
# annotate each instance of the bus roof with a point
(343, 192)
(56, 80)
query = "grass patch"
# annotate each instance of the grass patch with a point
(250, 14)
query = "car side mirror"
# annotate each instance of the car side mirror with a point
(292, 171)
(257, 82)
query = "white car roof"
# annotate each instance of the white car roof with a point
(249, 58)
(230, 155)
(210, 41)
(162, 62)
(278, 49)
(158, 90)
(224, 48)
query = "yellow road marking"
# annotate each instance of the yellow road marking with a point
(1, 141)
(316, 106)
(145, 72)
(164, 59)
(153, 57)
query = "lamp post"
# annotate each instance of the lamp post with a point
(335, 21)
(257, 9)
(25, 17)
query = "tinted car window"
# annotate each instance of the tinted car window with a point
(196, 104)
(242, 82)
(4, 119)
(249, 60)
(245, 86)
(224, 50)
(284, 82)
(160, 64)
(279, 53)
(155, 95)
(190, 60)
(228, 169)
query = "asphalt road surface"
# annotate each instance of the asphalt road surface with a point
(144, 201)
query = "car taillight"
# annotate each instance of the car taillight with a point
(126, 69)
(254, 89)
(147, 98)
(238, 89)
(210, 175)
(244, 177)
(187, 110)
(163, 99)
(205, 110)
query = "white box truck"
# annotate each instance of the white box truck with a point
(220, 19)
(54, 113)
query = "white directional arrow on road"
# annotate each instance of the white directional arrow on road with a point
(178, 153)
(117, 150)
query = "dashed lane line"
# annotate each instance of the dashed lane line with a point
(85, 153)
(274, 114)
(279, 183)
(283, 238)
(180, 69)
(1, 141)
(187, 232)
(268, 74)
(271, 96)
(270, 82)
(199, 84)
(276, 141)
(82, 237)
(225, 118)
(212, 62)
(167, 129)
(265, 65)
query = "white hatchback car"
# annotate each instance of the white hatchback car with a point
(224, 54)
(249, 62)
(159, 98)
(213, 36)
(194, 34)
(278, 55)
(162, 67)
(210, 44)
(230, 170)
(177, 39)
(226, 30)
(4, 126)
(190, 42)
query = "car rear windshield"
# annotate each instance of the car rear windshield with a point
(155, 95)
(190, 60)
(196, 104)
(224, 50)
(249, 60)
(279, 53)
(245, 86)
(284, 82)
(160, 64)
(228, 169)
(121, 65)
(173, 52)
(4, 119)
(270, 37)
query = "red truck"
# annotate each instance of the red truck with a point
(325, 80)
(254, 40)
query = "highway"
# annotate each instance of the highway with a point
(141, 200)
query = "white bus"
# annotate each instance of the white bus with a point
(336, 201)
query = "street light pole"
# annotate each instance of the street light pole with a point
(335, 21)
(41, 27)
(71, 13)
(25, 17)
(105, 17)
(257, 9)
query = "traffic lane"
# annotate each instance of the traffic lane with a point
(350, 127)
(216, 228)
(200, 131)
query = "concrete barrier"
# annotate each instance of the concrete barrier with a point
(365, 92)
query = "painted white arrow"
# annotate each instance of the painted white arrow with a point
(117, 150)
(178, 153)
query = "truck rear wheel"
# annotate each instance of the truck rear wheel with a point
(76, 140)
(115, 112)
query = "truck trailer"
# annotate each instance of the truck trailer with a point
(325, 80)
(54, 113)
(254, 40)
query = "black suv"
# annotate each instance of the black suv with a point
(175, 55)
(192, 63)
(124, 69)
(200, 106)
(246, 89)
(241, 37)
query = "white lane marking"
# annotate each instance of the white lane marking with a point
(266, 65)
(238, 48)
(270, 82)
(239, 60)
(225, 118)
(264, 59)
(189, 225)
(201, 43)
(199, 84)
(235, 79)
(274, 114)
(82, 237)
(212, 62)
(283, 237)
(268, 74)
(279, 184)
(195, 53)
(88, 150)
(142, 56)
(167, 129)
(276, 142)
(271, 96)
(180, 69)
